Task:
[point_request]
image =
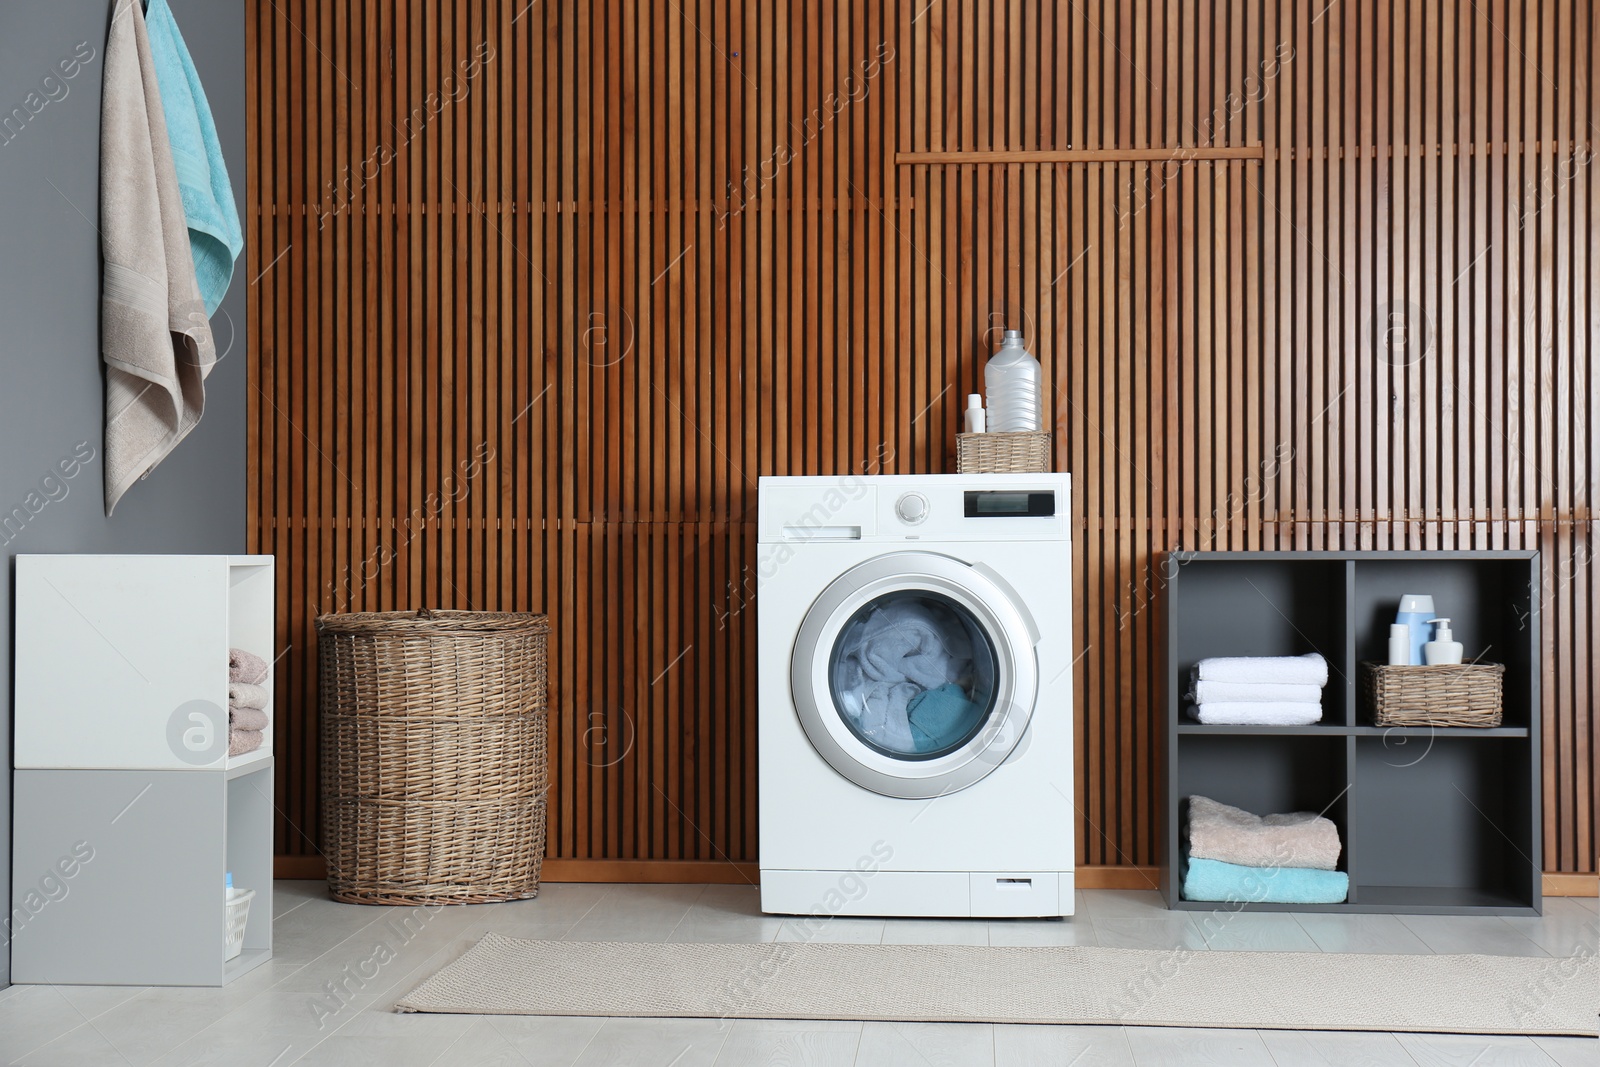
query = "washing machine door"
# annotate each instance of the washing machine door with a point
(914, 673)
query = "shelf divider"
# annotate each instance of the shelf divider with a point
(1351, 855)
(1351, 674)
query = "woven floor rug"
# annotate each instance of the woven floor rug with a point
(963, 983)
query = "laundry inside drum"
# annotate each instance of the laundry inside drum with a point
(914, 674)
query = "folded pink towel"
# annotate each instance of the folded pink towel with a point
(243, 741)
(1218, 831)
(245, 695)
(246, 719)
(246, 667)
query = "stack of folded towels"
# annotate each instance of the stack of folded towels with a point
(247, 701)
(1284, 859)
(1259, 690)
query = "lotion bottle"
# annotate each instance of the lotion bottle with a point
(1415, 611)
(1443, 650)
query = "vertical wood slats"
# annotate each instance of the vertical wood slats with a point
(527, 330)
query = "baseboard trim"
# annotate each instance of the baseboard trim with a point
(717, 872)
(1562, 884)
(311, 867)
(1119, 877)
(1556, 883)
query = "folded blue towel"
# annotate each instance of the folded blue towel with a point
(1215, 880)
(215, 236)
(940, 717)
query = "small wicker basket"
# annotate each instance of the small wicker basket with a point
(1467, 694)
(433, 755)
(1003, 453)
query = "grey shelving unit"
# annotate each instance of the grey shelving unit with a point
(1433, 820)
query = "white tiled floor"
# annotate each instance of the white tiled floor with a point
(326, 996)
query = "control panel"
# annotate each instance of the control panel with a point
(913, 508)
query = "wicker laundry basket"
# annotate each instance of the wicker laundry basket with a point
(433, 755)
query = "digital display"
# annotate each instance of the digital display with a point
(999, 503)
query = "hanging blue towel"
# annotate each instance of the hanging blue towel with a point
(1215, 880)
(215, 237)
(940, 717)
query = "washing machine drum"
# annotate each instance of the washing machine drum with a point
(914, 673)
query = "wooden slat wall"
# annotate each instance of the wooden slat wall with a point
(541, 288)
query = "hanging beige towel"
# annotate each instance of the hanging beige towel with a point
(155, 338)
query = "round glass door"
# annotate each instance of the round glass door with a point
(914, 674)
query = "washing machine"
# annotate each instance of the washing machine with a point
(915, 688)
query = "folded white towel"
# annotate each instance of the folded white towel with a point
(1257, 713)
(1209, 692)
(1310, 669)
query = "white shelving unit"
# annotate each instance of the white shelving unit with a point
(121, 719)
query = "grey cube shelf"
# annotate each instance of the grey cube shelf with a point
(147, 906)
(1433, 820)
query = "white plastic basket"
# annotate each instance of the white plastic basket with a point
(238, 913)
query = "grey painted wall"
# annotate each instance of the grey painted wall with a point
(51, 388)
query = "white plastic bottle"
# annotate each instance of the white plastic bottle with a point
(1012, 383)
(974, 414)
(1399, 645)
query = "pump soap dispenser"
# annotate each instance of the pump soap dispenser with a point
(1442, 650)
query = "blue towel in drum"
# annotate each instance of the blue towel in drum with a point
(940, 717)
